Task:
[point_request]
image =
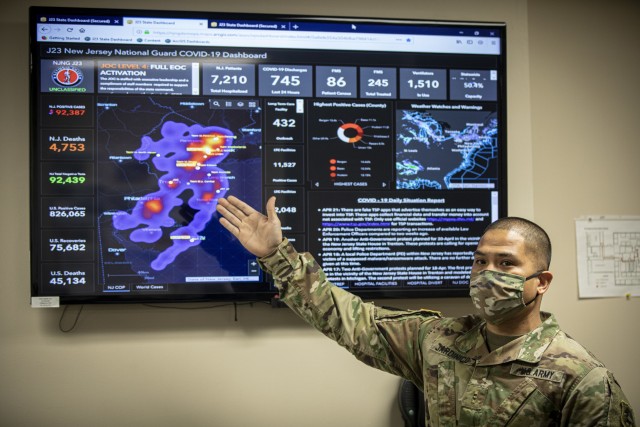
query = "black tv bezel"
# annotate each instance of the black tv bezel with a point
(269, 294)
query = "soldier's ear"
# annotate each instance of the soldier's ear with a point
(544, 281)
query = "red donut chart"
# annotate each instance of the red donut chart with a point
(343, 136)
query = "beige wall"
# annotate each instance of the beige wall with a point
(585, 95)
(573, 150)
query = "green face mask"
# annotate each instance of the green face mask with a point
(498, 296)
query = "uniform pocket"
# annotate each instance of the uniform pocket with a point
(526, 406)
(441, 394)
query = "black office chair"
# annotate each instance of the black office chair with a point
(411, 402)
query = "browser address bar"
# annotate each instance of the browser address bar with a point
(256, 38)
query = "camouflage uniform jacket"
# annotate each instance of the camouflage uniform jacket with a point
(542, 378)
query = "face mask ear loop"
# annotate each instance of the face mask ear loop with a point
(526, 304)
(534, 275)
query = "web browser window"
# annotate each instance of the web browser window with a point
(383, 141)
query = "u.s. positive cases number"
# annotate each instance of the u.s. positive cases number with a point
(54, 213)
(69, 212)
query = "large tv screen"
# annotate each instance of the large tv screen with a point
(384, 142)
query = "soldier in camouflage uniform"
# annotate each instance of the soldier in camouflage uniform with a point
(509, 365)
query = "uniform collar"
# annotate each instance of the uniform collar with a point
(527, 348)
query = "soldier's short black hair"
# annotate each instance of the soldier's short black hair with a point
(536, 239)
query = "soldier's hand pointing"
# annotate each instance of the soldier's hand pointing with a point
(259, 234)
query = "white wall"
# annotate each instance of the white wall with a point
(131, 365)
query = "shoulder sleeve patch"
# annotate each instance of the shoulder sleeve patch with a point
(626, 415)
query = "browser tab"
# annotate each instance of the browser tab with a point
(165, 22)
(82, 20)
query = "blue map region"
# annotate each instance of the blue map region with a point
(446, 149)
(189, 155)
(162, 165)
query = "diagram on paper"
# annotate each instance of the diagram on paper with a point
(608, 257)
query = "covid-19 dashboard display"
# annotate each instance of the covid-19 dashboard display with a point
(383, 142)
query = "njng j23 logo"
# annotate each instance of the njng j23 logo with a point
(67, 76)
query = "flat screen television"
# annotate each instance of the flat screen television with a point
(384, 142)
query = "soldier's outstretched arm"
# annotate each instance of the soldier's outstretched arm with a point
(259, 234)
(385, 339)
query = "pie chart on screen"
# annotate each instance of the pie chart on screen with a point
(350, 132)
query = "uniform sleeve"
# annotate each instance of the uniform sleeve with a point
(386, 339)
(597, 400)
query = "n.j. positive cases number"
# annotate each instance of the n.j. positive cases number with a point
(67, 112)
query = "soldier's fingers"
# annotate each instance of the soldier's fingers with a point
(240, 205)
(229, 216)
(230, 209)
(232, 228)
(271, 208)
